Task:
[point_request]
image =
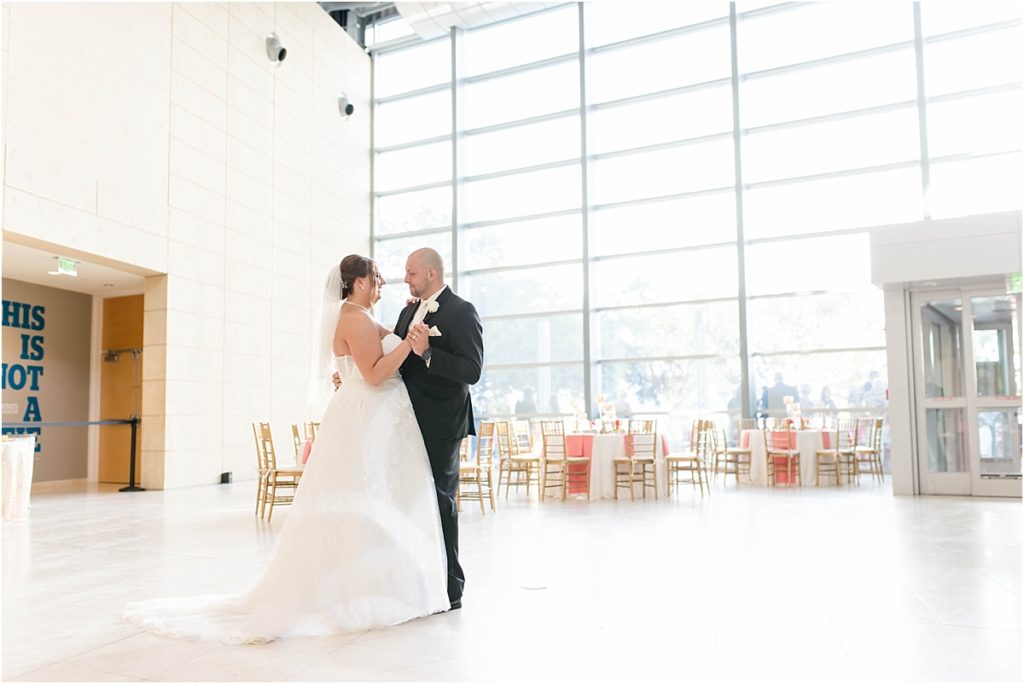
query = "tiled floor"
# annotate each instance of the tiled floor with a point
(824, 585)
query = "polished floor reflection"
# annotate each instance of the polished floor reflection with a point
(750, 584)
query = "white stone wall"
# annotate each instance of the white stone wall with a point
(160, 137)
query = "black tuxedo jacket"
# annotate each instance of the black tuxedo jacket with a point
(440, 393)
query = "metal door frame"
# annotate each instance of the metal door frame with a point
(971, 481)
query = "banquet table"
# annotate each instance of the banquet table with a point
(16, 478)
(808, 442)
(602, 450)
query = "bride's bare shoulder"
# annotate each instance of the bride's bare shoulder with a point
(355, 329)
(356, 320)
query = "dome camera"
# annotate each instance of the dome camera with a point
(275, 51)
(345, 108)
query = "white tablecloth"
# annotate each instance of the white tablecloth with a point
(808, 442)
(602, 467)
(18, 457)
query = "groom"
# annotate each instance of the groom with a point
(447, 340)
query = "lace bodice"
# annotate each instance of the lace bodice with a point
(347, 368)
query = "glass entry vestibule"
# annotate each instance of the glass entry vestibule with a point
(967, 384)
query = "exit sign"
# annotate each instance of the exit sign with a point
(1015, 284)
(67, 266)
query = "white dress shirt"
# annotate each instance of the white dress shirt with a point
(421, 312)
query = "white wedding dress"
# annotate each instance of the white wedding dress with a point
(362, 544)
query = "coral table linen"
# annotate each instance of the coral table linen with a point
(602, 450)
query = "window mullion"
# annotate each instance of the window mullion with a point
(741, 252)
(589, 368)
(456, 45)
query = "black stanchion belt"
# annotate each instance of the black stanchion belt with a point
(134, 422)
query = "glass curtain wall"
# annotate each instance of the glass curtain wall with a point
(589, 189)
(830, 145)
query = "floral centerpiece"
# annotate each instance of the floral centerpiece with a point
(606, 407)
(582, 424)
(792, 411)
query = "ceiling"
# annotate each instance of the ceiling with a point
(363, 9)
(427, 19)
(354, 17)
(31, 264)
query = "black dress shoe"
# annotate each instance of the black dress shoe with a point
(456, 605)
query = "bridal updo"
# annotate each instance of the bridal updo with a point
(353, 266)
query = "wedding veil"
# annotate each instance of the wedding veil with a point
(322, 363)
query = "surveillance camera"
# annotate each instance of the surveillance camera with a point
(345, 107)
(275, 51)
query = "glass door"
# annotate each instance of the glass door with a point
(942, 403)
(996, 392)
(968, 378)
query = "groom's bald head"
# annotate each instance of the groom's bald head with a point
(429, 258)
(424, 272)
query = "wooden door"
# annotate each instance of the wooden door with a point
(122, 329)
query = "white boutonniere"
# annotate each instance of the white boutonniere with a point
(434, 332)
(432, 306)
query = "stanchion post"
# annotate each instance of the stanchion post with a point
(131, 465)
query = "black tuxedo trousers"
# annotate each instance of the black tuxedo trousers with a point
(440, 398)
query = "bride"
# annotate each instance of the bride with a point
(362, 544)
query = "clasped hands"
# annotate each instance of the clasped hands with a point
(418, 338)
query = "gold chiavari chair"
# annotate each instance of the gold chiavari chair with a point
(310, 429)
(780, 443)
(838, 457)
(261, 472)
(569, 471)
(516, 460)
(470, 485)
(297, 442)
(275, 477)
(522, 435)
(638, 466)
(503, 444)
(868, 450)
(692, 461)
(847, 456)
(726, 459)
(485, 458)
(553, 468)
